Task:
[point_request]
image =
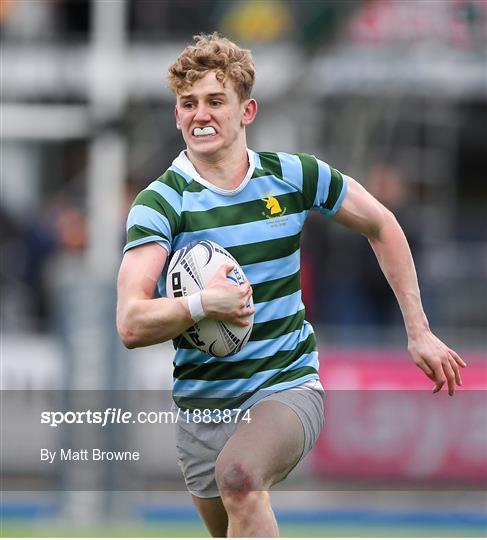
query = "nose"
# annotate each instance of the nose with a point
(202, 113)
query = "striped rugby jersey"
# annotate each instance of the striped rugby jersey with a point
(260, 224)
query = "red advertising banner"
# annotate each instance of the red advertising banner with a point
(382, 421)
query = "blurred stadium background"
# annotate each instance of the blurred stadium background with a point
(393, 93)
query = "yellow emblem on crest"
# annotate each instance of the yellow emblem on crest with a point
(273, 205)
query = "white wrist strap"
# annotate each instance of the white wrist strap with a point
(196, 307)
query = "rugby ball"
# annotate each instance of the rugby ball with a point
(190, 270)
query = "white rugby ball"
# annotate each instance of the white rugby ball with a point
(190, 270)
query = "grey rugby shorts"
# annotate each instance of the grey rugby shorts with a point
(199, 444)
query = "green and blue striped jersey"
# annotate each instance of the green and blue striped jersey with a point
(260, 224)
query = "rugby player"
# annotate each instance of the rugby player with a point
(254, 204)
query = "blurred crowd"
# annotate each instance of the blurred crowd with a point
(309, 23)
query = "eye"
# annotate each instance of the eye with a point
(188, 105)
(215, 103)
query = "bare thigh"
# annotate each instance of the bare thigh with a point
(269, 446)
(213, 514)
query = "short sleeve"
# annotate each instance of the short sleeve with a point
(331, 189)
(152, 218)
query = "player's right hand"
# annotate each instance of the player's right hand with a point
(224, 301)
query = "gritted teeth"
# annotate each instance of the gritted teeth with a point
(203, 132)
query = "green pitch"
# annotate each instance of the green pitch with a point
(171, 529)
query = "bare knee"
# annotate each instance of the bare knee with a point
(244, 494)
(240, 487)
(235, 475)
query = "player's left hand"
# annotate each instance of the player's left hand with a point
(440, 363)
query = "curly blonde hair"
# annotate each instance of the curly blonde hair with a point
(213, 52)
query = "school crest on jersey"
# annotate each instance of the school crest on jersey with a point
(274, 212)
(273, 206)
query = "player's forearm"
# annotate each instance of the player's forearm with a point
(146, 322)
(392, 251)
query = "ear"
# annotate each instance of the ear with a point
(250, 111)
(176, 116)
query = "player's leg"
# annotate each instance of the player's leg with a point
(213, 514)
(198, 445)
(258, 455)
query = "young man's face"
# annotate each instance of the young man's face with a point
(211, 116)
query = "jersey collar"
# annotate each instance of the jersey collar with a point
(183, 163)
